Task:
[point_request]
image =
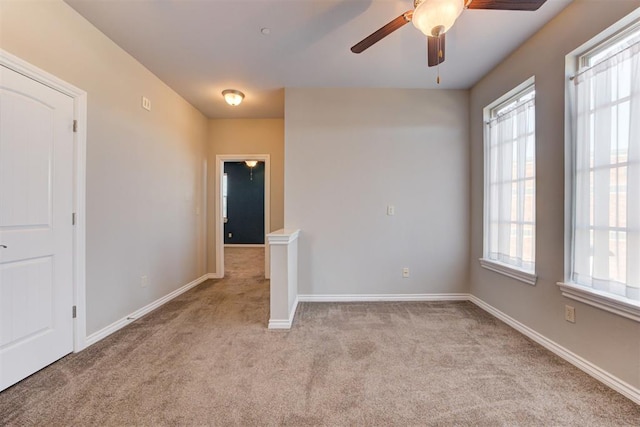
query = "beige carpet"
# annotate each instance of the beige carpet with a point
(206, 358)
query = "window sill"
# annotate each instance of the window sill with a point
(618, 305)
(509, 271)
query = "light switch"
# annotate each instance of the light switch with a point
(146, 103)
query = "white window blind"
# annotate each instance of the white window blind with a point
(510, 183)
(606, 185)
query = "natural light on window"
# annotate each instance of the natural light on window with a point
(510, 186)
(225, 191)
(606, 191)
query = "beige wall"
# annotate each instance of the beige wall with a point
(144, 169)
(245, 136)
(352, 152)
(609, 341)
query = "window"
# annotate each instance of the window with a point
(225, 192)
(510, 185)
(605, 247)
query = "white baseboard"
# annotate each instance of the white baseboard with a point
(601, 375)
(382, 297)
(214, 276)
(119, 324)
(285, 324)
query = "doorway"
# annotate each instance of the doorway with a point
(221, 210)
(243, 204)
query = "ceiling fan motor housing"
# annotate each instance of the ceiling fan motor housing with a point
(435, 17)
(417, 2)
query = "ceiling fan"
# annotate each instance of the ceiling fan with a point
(435, 17)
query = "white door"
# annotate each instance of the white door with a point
(36, 235)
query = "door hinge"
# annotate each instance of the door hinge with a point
(73, 312)
(73, 218)
(75, 126)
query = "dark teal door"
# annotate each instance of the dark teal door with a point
(245, 203)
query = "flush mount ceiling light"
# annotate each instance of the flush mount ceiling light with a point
(233, 97)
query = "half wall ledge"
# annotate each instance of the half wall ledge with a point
(283, 248)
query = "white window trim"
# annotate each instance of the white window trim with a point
(624, 307)
(511, 271)
(609, 40)
(621, 306)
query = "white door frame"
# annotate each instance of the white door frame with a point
(79, 183)
(219, 238)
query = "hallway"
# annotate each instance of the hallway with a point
(244, 263)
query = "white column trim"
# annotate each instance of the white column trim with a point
(282, 236)
(284, 283)
(284, 324)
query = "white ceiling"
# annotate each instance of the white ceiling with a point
(200, 47)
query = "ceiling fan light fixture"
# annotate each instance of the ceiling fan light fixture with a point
(251, 163)
(233, 97)
(435, 17)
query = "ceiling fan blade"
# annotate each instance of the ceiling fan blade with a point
(383, 32)
(435, 50)
(506, 4)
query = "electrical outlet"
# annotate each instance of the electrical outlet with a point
(569, 314)
(391, 210)
(143, 281)
(405, 272)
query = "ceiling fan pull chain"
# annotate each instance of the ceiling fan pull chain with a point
(439, 57)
